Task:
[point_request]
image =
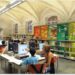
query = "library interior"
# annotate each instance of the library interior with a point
(37, 37)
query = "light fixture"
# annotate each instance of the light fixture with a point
(12, 1)
(5, 10)
(12, 4)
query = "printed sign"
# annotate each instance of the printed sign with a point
(37, 31)
(44, 32)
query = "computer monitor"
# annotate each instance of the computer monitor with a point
(1, 42)
(15, 47)
(16, 41)
(41, 45)
(21, 49)
(12, 46)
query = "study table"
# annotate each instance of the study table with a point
(13, 61)
(17, 62)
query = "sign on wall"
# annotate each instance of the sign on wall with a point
(1, 33)
(37, 31)
(52, 33)
(16, 28)
(29, 26)
(44, 32)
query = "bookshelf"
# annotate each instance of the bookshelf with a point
(66, 46)
(61, 38)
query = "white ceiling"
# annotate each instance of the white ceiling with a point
(38, 10)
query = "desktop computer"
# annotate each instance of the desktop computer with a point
(41, 45)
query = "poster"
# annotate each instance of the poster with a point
(62, 34)
(44, 32)
(16, 28)
(72, 37)
(62, 31)
(29, 23)
(37, 31)
(71, 31)
(1, 33)
(52, 33)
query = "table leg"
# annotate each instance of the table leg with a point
(19, 70)
(10, 68)
(1, 62)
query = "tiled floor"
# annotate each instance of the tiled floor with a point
(65, 67)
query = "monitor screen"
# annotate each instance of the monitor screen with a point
(16, 41)
(41, 46)
(1, 42)
(21, 48)
(10, 46)
(13, 46)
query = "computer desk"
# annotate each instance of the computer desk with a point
(11, 60)
(17, 62)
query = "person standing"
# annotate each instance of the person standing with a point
(49, 59)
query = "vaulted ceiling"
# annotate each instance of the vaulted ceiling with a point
(38, 10)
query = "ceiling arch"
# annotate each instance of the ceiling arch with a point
(72, 11)
(13, 18)
(38, 9)
(25, 10)
(3, 2)
(55, 5)
(49, 10)
(33, 8)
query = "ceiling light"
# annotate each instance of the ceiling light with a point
(12, 4)
(12, 1)
(5, 10)
(2, 8)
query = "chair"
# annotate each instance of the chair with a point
(2, 49)
(36, 69)
(53, 61)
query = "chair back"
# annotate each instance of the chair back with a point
(36, 69)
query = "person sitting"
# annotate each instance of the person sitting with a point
(3, 47)
(31, 60)
(32, 44)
